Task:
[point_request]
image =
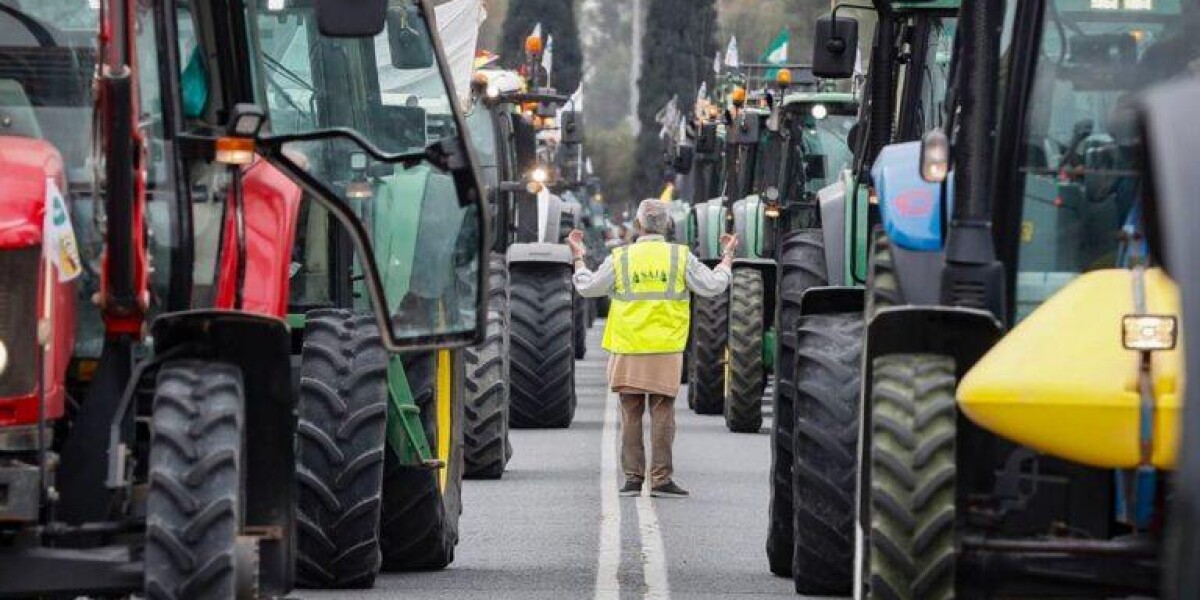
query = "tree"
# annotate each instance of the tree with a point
(558, 21)
(677, 53)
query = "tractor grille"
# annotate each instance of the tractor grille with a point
(18, 319)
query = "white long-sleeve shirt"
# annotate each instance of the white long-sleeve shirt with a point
(700, 279)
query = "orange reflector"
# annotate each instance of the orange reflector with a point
(235, 151)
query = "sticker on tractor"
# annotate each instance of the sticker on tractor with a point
(59, 243)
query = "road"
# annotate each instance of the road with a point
(555, 528)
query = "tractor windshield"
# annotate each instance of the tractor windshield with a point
(391, 91)
(1080, 184)
(821, 132)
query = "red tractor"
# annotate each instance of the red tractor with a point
(148, 407)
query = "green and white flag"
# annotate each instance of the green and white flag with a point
(777, 52)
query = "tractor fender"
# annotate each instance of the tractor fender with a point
(910, 207)
(260, 345)
(832, 202)
(919, 274)
(710, 224)
(271, 203)
(749, 223)
(558, 254)
(832, 299)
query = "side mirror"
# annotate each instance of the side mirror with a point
(408, 38)
(935, 157)
(350, 18)
(835, 47)
(572, 127)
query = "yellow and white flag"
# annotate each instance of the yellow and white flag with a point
(58, 236)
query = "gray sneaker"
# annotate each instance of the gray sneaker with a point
(669, 490)
(632, 487)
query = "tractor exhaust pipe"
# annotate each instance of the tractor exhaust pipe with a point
(972, 276)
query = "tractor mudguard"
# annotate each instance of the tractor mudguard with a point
(832, 299)
(558, 254)
(271, 204)
(910, 207)
(832, 201)
(918, 274)
(964, 334)
(749, 223)
(261, 347)
(710, 224)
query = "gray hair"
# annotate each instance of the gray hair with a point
(654, 217)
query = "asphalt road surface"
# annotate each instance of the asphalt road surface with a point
(555, 528)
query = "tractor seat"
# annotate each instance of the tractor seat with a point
(16, 111)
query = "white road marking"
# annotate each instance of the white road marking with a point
(654, 554)
(608, 584)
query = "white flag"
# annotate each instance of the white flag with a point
(702, 93)
(537, 31)
(731, 54)
(717, 63)
(59, 244)
(548, 58)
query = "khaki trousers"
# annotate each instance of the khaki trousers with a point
(662, 435)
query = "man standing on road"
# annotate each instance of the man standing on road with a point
(646, 332)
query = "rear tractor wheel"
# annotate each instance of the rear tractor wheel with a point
(419, 529)
(706, 369)
(486, 403)
(542, 347)
(340, 450)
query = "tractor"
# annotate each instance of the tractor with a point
(401, 510)
(1011, 443)
(544, 310)
(128, 459)
(822, 270)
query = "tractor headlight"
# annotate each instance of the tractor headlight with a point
(1147, 333)
(3, 358)
(540, 175)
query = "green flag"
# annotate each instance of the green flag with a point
(777, 51)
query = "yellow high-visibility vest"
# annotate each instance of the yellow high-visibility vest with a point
(649, 313)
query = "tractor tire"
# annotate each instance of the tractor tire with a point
(710, 333)
(883, 289)
(801, 266)
(340, 445)
(542, 348)
(824, 451)
(485, 406)
(195, 493)
(419, 529)
(581, 327)
(747, 375)
(911, 551)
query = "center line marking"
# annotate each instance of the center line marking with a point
(654, 565)
(608, 584)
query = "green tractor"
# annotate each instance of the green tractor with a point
(822, 271)
(400, 509)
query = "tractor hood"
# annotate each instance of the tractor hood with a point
(25, 167)
(1062, 382)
